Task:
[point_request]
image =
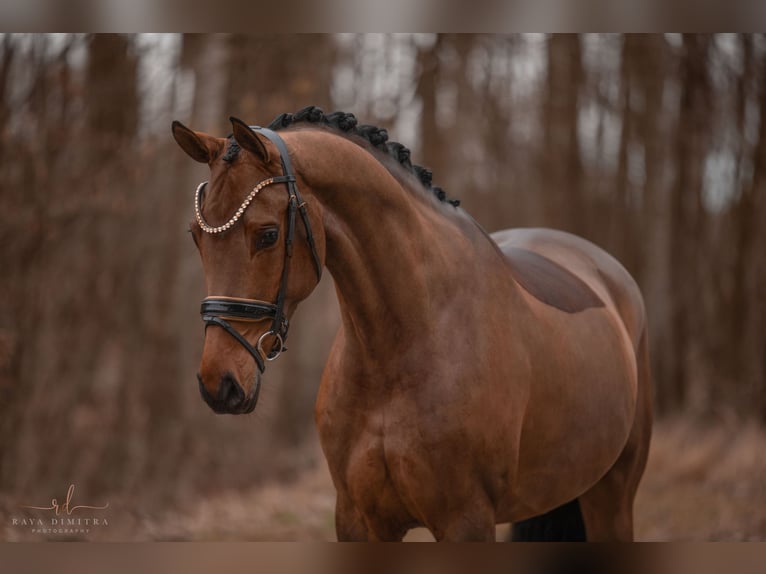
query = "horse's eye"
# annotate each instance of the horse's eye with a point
(267, 238)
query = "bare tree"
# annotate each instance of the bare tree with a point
(561, 167)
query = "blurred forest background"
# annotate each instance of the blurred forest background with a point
(652, 146)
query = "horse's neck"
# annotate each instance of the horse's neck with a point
(398, 262)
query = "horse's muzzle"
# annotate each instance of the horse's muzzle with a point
(231, 398)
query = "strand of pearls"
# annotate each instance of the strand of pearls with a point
(210, 229)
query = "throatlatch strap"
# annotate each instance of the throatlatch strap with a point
(287, 169)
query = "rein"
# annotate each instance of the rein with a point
(219, 310)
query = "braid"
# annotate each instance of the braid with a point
(375, 136)
(400, 154)
(424, 175)
(342, 121)
(281, 121)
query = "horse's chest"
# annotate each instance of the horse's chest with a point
(399, 473)
(374, 482)
(374, 464)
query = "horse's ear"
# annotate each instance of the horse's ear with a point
(200, 147)
(248, 139)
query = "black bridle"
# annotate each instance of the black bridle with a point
(219, 310)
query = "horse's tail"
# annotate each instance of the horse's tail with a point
(562, 524)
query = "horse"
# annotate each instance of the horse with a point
(475, 379)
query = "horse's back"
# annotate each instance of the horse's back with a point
(572, 274)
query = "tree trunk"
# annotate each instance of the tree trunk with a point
(561, 166)
(748, 305)
(691, 144)
(431, 153)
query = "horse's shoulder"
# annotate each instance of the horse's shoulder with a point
(545, 279)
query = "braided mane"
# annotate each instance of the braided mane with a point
(346, 123)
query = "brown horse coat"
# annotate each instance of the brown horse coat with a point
(474, 380)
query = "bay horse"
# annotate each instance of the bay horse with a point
(475, 379)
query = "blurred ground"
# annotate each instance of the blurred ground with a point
(703, 482)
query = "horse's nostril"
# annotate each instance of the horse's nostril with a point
(230, 392)
(230, 395)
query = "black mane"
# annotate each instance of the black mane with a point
(346, 123)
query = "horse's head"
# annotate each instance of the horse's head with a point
(260, 237)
